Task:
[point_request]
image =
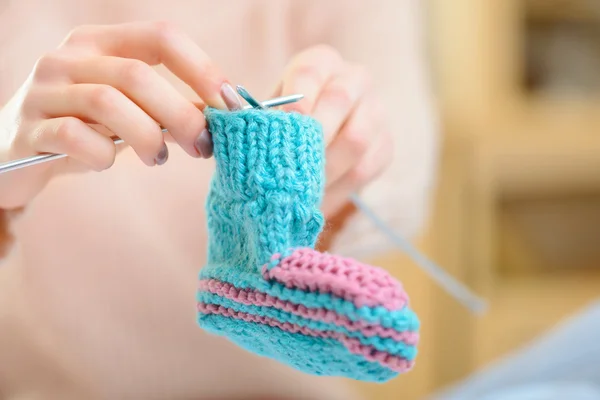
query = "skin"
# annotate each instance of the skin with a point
(70, 101)
(99, 83)
(340, 95)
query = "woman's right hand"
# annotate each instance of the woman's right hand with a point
(99, 83)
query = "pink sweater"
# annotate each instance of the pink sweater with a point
(119, 251)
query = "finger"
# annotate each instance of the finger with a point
(357, 135)
(151, 92)
(160, 43)
(367, 169)
(105, 105)
(276, 92)
(307, 74)
(71, 136)
(338, 99)
(103, 130)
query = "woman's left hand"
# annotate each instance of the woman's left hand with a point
(340, 95)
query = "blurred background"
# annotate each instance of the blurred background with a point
(516, 212)
(517, 206)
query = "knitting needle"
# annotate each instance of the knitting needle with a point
(460, 292)
(454, 287)
(248, 97)
(42, 158)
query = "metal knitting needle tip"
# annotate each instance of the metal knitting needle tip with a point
(42, 158)
(248, 97)
(279, 101)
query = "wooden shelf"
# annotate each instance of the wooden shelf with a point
(505, 146)
(563, 10)
(549, 235)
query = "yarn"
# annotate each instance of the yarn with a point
(455, 288)
(264, 286)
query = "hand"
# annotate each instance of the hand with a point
(99, 83)
(340, 96)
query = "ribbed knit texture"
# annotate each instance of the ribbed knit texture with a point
(264, 286)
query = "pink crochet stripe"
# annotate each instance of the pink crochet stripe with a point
(394, 363)
(362, 284)
(256, 298)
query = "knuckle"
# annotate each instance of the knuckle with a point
(102, 97)
(339, 96)
(67, 132)
(135, 72)
(165, 30)
(356, 140)
(327, 52)
(79, 35)
(165, 33)
(309, 72)
(308, 64)
(360, 174)
(47, 66)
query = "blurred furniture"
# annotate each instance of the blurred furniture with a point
(517, 211)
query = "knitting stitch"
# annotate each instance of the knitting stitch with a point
(264, 286)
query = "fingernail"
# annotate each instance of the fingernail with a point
(230, 97)
(204, 144)
(162, 156)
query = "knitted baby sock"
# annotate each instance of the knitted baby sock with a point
(264, 286)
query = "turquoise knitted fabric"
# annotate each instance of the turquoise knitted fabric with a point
(264, 286)
(268, 183)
